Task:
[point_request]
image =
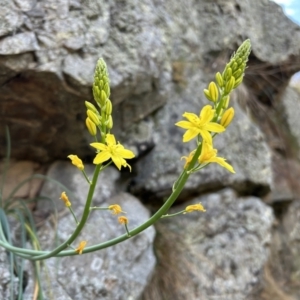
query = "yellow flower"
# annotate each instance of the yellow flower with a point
(194, 207)
(123, 220)
(209, 155)
(112, 150)
(65, 198)
(200, 125)
(116, 209)
(76, 161)
(188, 159)
(81, 246)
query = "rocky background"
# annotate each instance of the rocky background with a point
(160, 56)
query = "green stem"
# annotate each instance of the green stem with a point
(85, 176)
(81, 223)
(72, 212)
(162, 211)
(98, 208)
(172, 215)
(39, 255)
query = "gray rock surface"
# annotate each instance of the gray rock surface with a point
(291, 109)
(118, 272)
(53, 46)
(219, 254)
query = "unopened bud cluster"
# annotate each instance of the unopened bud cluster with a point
(232, 76)
(100, 118)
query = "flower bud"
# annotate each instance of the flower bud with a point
(213, 91)
(93, 117)
(91, 126)
(234, 66)
(103, 98)
(228, 74)
(110, 123)
(219, 79)
(108, 107)
(106, 89)
(207, 95)
(229, 85)
(238, 82)
(227, 117)
(91, 106)
(237, 74)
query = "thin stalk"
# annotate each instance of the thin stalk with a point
(82, 222)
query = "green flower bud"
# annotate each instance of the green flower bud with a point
(91, 107)
(107, 90)
(93, 117)
(96, 93)
(91, 126)
(238, 62)
(234, 66)
(229, 85)
(237, 74)
(228, 74)
(219, 79)
(101, 83)
(108, 107)
(103, 98)
(213, 91)
(207, 95)
(110, 123)
(238, 82)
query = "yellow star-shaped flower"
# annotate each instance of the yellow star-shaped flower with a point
(200, 125)
(209, 155)
(112, 150)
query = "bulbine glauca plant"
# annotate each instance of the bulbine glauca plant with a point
(201, 129)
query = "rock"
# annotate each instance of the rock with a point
(11, 19)
(217, 254)
(19, 182)
(291, 108)
(19, 43)
(118, 272)
(284, 263)
(147, 47)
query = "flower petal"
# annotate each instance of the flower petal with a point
(110, 139)
(184, 124)
(190, 134)
(206, 136)
(125, 153)
(221, 161)
(99, 146)
(118, 161)
(214, 127)
(101, 157)
(193, 118)
(206, 114)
